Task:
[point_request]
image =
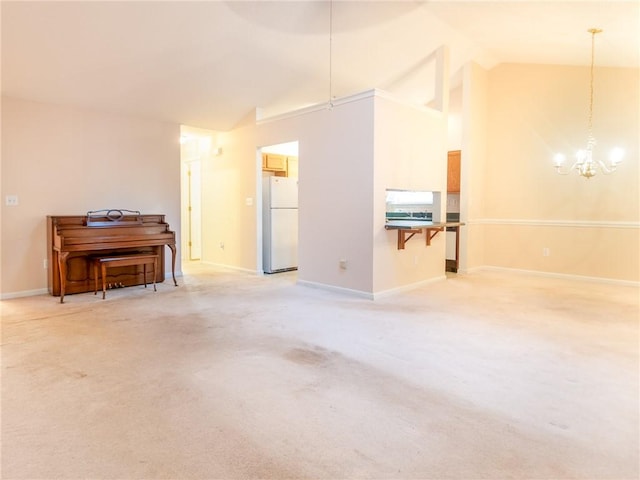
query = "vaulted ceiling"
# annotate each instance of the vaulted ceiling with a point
(210, 63)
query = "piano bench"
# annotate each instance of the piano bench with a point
(124, 260)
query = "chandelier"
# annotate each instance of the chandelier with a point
(585, 165)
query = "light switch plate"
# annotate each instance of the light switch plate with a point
(11, 200)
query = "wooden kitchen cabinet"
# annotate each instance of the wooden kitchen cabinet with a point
(281, 165)
(453, 171)
(274, 162)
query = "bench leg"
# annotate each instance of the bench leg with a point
(95, 277)
(144, 274)
(104, 281)
(155, 267)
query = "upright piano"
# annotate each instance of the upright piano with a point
(73, 240)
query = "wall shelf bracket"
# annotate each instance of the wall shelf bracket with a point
(405, 233)
(432, 232)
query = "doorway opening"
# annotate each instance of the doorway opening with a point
(195, 148)
(279, 225)
(452, 262)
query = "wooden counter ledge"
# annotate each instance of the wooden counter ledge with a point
(408, 228)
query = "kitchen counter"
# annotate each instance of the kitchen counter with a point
(397, 224)
(408, 228)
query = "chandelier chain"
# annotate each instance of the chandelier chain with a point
(593, 40)
(330, 53)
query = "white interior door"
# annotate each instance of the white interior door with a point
(195, 210)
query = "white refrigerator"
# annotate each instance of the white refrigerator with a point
(279, 224)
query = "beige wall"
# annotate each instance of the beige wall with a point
(335, 190)
(197, 148)
(65, 161)
(410, 153)
(348, 156)
(230, 201)
(589, 226)
(475, 104)
(454, 120)
(502, 229)
(60, 160)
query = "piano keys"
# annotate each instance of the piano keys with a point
(73, 240)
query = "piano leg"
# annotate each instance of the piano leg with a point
(62, 266)
(173, 263)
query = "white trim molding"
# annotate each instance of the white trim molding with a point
(233, 268)
(45, 291)
(369, 295)
(553, 223)
(332, 288)
(343, 101)
(24, 293)
(410, 286)
(565, 276)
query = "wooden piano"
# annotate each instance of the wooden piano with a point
(74, 240)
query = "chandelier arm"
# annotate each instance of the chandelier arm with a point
(568, 171)
(605, 168)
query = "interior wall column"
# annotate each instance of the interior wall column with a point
(441, 94)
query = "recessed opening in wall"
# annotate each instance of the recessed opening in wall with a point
(196, 147)
(279, 207)
(404, 204)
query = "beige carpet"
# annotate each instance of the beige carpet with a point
(482, 376)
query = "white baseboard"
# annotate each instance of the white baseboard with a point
(45, 291)
(231, 267)
(411, 286)
(333, 288)
(370, 295)
(565, 276)
(24, 293)
(553, 223)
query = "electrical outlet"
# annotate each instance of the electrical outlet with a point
(222, 245)
(546, 252)
(11, 200)
(45, 264)
(343, 264)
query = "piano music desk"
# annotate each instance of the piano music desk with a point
(123, 261)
